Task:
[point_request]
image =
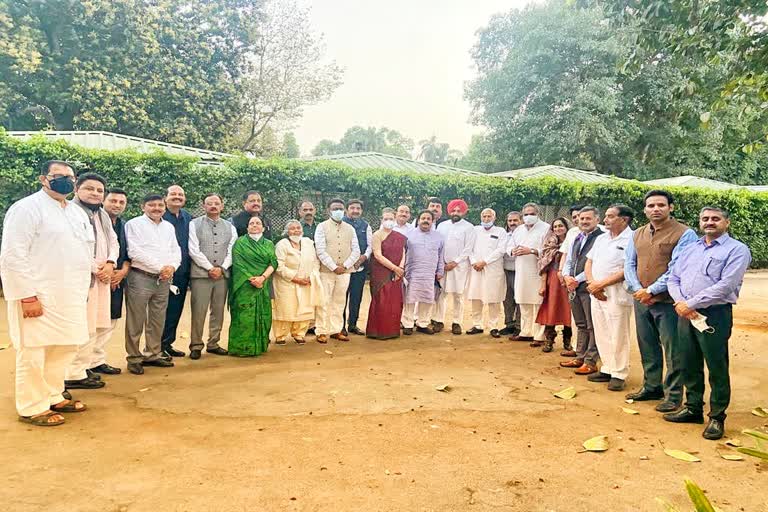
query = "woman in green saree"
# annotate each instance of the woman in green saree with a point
(253, 262)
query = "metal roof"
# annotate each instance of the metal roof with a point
(556, 171)
(115, 141)
(373, 160)
(692, 181)
(757, 188)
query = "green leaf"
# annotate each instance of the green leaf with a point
(753, 452)
(760, 411)
(699, 499)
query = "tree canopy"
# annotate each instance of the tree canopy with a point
(358, 139)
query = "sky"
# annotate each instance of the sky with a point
(405, 61)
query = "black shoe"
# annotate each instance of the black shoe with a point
(355, 330)
(84, 384)
(644, 395)
(456, 329)
(507, 331)
(218, 351)
(311, 331)
(67, 395)
(668, 406)
(495, 333)
(407, 331)
(425, 330)
(437, 326)
(91, 375)
(162, 363)
(615, 384)
(715, 430)
(136, 368)
(684, 415)
(195, 354)
(475, 330)
(106, 369)
(599, 377)
(172, 352)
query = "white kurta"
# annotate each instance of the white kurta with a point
(459, 241)
(294, 303)
(100, 294)
(527, 278)
(489, 284)
(47, 252)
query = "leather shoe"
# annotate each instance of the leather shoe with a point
(322, 338)
(573, 363)
(106, 369)
(684, 415)
(173, 352)
(517, 337)
(84, 384)
(218, 351)
(456, 329)
(495, 333)
(644, 395)
(668, 406)
(162, 363)
(568, 353)
(92, 376)
(407, 331)
(195, 354)
(356, 330)
(66, 394)
(425, 330)
(615, 384)
(136, 368)
(340, 336)
(585, 369)
(715, 430)
(474, 330)
(437, 326)
(599, 377)
(509, 331)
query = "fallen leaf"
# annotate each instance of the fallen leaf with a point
(731, 456)
(4, 346)
(760, 411)
(629, 401)
(756, 434)
(329, 352)
(643, 457)
(734, 442)
(596, 444)
(386, 471)
(567, 393)
(629, 411)
(144, 389)
(681, 455)
(443, 387)
(753, 452)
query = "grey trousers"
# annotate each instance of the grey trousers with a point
(511, 309)
(207, 294)
(586, 346)
(145, 303)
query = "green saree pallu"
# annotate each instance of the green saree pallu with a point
(250, 307)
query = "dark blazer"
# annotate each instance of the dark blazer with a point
(579, 256)
(116, 309)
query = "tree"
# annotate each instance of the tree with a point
(289, 72)
(480, 156)
(358, 139)
(163, 70)
(290, 146)
(438, 152)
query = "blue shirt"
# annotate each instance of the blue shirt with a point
(709, 275)
(660, 285)
(181, 225)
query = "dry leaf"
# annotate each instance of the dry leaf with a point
(567, 393)
(4, 346)
(629, 401)
(681, 455)
(443, 387)
(733, 442)
(329, 352)
(643, 457)
(596, 444)
(760, 411)
(731, 456)
(144, 389)
(629, 411)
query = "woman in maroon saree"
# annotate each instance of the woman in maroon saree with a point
(386, 280)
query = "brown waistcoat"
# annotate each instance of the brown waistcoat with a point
(338, 241)
(654, 251)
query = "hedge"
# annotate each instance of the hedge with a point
(284, 182)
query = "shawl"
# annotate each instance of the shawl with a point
(549, 252)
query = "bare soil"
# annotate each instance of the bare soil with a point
(363, 428)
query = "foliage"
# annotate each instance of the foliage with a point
(358, 139)
(290, 147)
(480, 156)
(285, 182)
(438, 152)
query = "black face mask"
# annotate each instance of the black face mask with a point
(63, 185)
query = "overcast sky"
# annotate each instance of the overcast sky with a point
(405, 63)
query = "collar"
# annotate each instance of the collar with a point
(663, 226)
(146, 217)
(721, 240)
(624, 234)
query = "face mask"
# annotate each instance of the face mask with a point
(700, 323)
(455, 218)
(530, 220)
(92, 207)
(255, 238)
(63, 185)
(295, 238)
(337, 215)
(487, 225)
(388, 224)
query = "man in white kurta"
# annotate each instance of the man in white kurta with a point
(458, 236)
(89, 195)
(486, 279)
(611, 303)
(525, 245)
(45, 266)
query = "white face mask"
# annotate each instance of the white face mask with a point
(388, 224)
(337, 215)
(255, 238)
(530, 220)
(700, 323)
(487, 225)
(295, 238)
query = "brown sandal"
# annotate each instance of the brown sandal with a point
(44, 419)
(69, 406)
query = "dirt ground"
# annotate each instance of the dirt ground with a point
(364, 428)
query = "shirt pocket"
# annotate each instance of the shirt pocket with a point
(714, 268)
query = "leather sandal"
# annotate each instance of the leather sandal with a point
(45, 419)
(69, 406)
(573, 363)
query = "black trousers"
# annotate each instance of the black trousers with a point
(175, 307)
(698, 348)
(657, 338)
(354, 297)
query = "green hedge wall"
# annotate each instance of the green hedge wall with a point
(284, 182)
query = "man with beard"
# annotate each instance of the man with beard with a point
(89, 194)
(307, 214)
(175, 200)
(458, 235)
(354, 218)
(253, 206)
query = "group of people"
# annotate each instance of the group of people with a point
(68, 266)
